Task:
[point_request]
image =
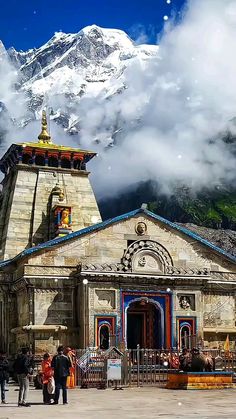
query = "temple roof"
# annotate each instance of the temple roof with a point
(96, 227)
(45, 147)
(55, 147)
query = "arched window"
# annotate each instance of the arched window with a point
(76, 164)
(52, 161)
(40, 160)
(104, 337)
(185, 336)
(27, 159)
(65, 164)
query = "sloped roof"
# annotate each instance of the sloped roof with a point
(96, 227)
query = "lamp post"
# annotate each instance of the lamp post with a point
(85, 292)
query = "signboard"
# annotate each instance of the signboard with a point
(114, 369)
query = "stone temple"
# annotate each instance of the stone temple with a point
(67, 276)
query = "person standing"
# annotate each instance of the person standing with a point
(47, 373)
(22, 367)
(61, 365)
(70, 383)
(4, 368)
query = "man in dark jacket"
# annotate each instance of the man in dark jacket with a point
(22, 367)
(4, 367)
(61, 365)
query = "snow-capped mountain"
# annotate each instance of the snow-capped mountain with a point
(90, 64)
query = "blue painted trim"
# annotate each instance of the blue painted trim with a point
(96, 227)
(106, 315)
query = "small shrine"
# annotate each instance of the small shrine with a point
(62, 220)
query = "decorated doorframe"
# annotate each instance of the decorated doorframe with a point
(109, 321)
(161, 300)
(185, 323)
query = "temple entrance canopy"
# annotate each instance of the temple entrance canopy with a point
(143, 325)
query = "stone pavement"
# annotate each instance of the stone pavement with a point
(130, 403)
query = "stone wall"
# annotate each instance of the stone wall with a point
(108, 246)
(18, 194)
(26, 208)
(219, 310)
(53, 306)
(23, 308)
(104, 299)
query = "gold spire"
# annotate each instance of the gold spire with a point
(44, 137)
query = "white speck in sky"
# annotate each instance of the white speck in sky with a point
(187, 98)
(168, 1)
(179, 156)
(165, 17)
(34, 12)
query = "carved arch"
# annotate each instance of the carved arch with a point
(147, 248)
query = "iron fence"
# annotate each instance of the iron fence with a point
(139, 367)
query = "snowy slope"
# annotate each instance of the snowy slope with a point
(90, 64)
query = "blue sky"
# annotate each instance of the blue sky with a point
(29, 23)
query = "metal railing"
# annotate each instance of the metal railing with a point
(139, 367)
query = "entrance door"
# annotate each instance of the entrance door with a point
(135, 326)
(143, 325)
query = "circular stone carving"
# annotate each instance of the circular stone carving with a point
(146, 256)
(141, 228)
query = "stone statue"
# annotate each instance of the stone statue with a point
(142, 261)
(141, 228)
(184, 302)
(195, 361)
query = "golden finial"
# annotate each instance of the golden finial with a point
(44, 137)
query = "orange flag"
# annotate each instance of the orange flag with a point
(226, 344)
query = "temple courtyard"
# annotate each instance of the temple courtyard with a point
(148, 402)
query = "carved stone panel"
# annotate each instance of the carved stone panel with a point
(186, 301)
(219, 310)
(147, 261)
(104, 299)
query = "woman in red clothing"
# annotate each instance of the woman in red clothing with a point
(47, 373)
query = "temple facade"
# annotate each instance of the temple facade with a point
(67, 276)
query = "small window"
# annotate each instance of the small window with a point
(65, 164)
(40, 160)
(104, 337)
(52, 162)
(185, 337)
(26, 159)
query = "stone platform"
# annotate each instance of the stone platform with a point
(199, 380)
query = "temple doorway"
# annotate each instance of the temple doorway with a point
(143, 325)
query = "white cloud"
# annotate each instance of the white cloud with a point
(184, 99)
(174, 106)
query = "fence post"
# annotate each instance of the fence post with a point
(125, 367)
(138, 365)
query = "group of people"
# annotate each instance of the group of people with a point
(55, 373)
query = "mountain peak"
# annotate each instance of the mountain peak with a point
(71, 67)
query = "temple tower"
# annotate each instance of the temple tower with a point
(46, 193)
